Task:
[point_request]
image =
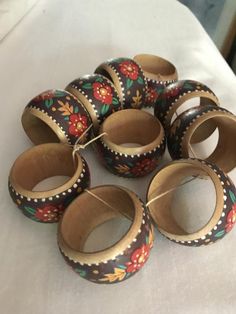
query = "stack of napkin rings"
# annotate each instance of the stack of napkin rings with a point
(104, 108)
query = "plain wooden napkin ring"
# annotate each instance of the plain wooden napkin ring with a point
(159, 73)
(129, 80)
(131, 126)
(41, 162)
(175, 95)
(98, 95)
(55, 116)
(184, 127)
(171, 175)
(121, 260)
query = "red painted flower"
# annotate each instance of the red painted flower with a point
(144, 166)
(138, 259)
(129, 69)
(102, 92)
(172, 92)
(231, 219)
(78, 124)
(151, 95)
(49, 213)
(44, 96)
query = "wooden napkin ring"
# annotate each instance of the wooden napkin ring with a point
(41, 162)
(175, 95)
(171, 175)
(159, 73)
(98, 95)
(55, 116)
(121, 260)
(128, 79)
(183, 128)
(131, 126)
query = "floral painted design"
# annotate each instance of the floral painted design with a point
(66, 111)
(102, 92)
(151, 95)
(138, 258)
(137, 100)
(138, 169)
(78, 124)
(131, 83)
(45, 95)
(167, 102)
(144, 166)
(231, 219)
(130, 166)
(49, 213)
(129, 69)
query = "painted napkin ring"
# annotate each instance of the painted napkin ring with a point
(128, 79)
(184, 127)
(55, 116)
(159, 73)
(98, 95)
(121, 260)
(41, 162)
(133, 145)
(175, 95)
(170, 176)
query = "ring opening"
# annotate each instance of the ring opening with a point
(132, 126)
(177, 225)
(224, 155)
(186, 103)
(42, 162)
(86, 213)
(154, 67)
(38, 130)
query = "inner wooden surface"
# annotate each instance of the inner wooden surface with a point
(168, 178)
(224, 154)
(42, 162)
(38, 131)
(154, 66)
(87, 212)
(131, 126)
(193, 100)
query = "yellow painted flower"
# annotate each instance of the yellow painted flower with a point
(137, 100)
(151, 237)
(123, 169)
(118, 274)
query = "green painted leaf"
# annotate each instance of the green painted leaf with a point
(232, 196)
(48, 103)
(30, 210)
(118, 60)
(140, 81)
(219, 233)
(104, 109)
(122, 266)
(87, 86)
(66, 118)
(188, 86)
(129, 83)
(59, 93)
(81, 272)
(115, 101)
(147, 240)
(76, 110)
(99, 79)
